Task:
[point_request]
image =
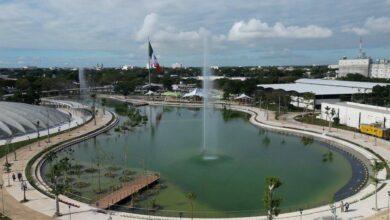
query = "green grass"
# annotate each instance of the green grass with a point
(310, 118)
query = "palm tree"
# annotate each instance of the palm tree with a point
(270, 202)
(104, 103)
(191, 198)
(376, 167)
(58, 185)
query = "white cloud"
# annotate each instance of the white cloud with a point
(148, 25)
(254, 29)
(371, 25)
(356, 30)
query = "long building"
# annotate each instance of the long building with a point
(354, 114)
(329, 91)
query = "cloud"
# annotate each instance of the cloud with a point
(371, 25)
(255, 29)
(148, 25)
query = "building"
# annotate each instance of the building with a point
(329, 91)
(177, 66)
(354, 114)
(359, 65)
(380, 69)
(127, 67)
(363, 65)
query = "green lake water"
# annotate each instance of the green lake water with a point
(233, 185)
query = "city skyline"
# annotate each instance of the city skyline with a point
(83, 33)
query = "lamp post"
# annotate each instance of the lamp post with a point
(2, 195)
(333, 209)
(300, 211)
(24, 188)
(39, 142)
(388, 205)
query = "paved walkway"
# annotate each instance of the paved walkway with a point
(39, 206)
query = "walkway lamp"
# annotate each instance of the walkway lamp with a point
(37, 125)
(300, 211)
(333, 209)
(2, 195)
(24, 188)
(388, 205)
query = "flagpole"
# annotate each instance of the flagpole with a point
(149, 63)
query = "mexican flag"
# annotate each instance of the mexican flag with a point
(153, 62)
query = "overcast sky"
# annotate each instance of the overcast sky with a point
(247, 32)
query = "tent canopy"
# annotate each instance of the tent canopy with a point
(150, 93)
(196, 92)
(243, 96)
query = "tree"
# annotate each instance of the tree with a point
(376, 167)
(191, 198)
(272, 203)
(330, 113)
(104, 103)
(59, 185)
(308, 99)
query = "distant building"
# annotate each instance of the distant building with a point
(127, 67)
(329, 91)
(214, 67)
(177, 66)
(354, 114)
(380, 69)
(363, 65)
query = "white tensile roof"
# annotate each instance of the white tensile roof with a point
(195, 92)
(243, 96)
(324, 87)
(20, 118)
(342, 83)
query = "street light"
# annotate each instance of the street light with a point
(39, 142)
(388, 205)
(2, 195)
(300, 211)
(24, 188)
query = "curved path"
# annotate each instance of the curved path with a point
(39, 206)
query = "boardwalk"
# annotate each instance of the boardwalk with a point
(127, 190)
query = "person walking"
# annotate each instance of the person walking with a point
(342, 206)
(19, 177)
(346, 206)
(13, 177)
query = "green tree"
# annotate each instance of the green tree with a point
(376, 167)
(59, 185)
(191, 198)
(272, 203)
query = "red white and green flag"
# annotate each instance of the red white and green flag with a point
(153, 62)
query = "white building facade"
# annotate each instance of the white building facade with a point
(354, 114)
(380, 69)
(360, 66)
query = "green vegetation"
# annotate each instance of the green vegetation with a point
(271, 202)
(312, 119)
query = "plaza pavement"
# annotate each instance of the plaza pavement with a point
(40, 206)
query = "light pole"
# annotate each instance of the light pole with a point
(2, 195)
(300, 211)
(388, 205)
(39, 141)
(24, 188)
(333, 209)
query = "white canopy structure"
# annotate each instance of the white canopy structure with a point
(196, 92)
(242, 96)
(20, 118)
(150, 92)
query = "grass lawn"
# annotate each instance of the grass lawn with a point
(310, 118)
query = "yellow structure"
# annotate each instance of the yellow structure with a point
(375, 130)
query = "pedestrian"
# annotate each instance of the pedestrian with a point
(346, 206)
(342, 206)
(13, 177)
(19, 177)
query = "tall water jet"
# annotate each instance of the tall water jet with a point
(83, 83)
(209, 137)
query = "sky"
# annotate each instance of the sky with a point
(73, 33)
